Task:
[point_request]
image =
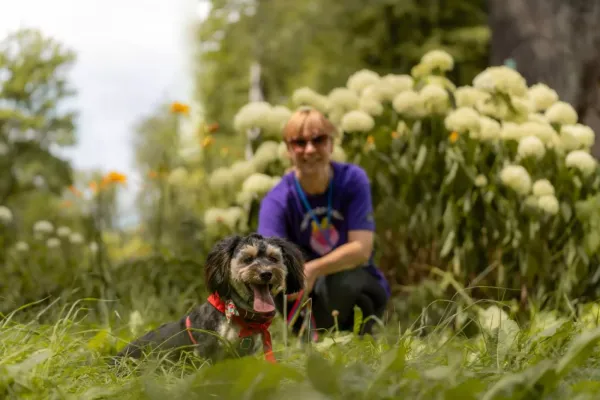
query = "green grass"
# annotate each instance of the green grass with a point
(550, 357)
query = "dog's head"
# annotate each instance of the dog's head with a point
(253, 268)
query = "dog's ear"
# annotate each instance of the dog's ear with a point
(218, 262)
(294, 261)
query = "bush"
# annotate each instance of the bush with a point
(493, 182)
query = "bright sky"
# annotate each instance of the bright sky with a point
(131, 54)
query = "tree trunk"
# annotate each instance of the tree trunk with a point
(556, 42)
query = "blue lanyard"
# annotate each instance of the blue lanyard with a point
(310, 211)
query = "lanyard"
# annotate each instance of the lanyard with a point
(310, 210)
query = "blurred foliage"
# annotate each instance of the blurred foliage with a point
(319, 43)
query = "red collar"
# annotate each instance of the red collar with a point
(250, 323)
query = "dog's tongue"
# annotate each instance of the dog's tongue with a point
(263, 301)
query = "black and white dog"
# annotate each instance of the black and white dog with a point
(243, 275)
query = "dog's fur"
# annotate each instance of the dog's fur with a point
(232, 265)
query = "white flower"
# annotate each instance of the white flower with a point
(536, 117)
(467, 96)
(307, 97)
(6, 216)
(338, 154)
(517, 178)
(531, 146)
(493, 107)
(501, 79)
(561, 113)
(541, 130)
(135, 322)
(63, 231)
(511, 131)
(577, 136)
(240, 170)
(361, 79)
(543, 187)
(267, 153)
(435, 99)
(282, 151)
(409, 104)
(357, 121)
(252, 115)
(53, 243)
(343, 98)
(43, 227)
(93, 247)
(481, 180)
(582, 161)
(232, 217)
(522, 105)
(76, 238)
(441, 81)
(259, 184)
(548, 203)
(370, 106)
(398, 83)
(3, 149)
(438, 59)
(21, 246)
(213, 216)
(542, 96)
(489, 128)
(462, 119)
(178, 176)
(220, 178)
(277, 118)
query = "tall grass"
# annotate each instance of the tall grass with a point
(472, 350)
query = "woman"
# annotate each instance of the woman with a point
(325, 208)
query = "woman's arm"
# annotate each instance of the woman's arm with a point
(349, 255)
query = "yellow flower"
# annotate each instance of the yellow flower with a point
(370, 139)
(207, 141)
(180, 108)
(114, 177)
(453, 137)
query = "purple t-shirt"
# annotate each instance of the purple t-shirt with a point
(282, 214)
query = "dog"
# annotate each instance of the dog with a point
(243, 274)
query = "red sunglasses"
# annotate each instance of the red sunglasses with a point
(301, 143)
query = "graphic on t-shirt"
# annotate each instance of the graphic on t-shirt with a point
(318, 241)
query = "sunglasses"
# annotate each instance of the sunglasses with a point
(317, 141)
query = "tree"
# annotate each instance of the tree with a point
(555, 42)
(319, 43)
(33, 89)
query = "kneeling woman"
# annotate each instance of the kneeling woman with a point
(325, 208)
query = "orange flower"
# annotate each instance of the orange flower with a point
(75, 191)
(114, 177)
(213, 127)
(152, 174)
(453, 137)
(94, 186)
(207, 141)
(370, 139)
(395, 135)
(180, 108)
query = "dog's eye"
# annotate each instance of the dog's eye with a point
(247, 259)
(274, 258)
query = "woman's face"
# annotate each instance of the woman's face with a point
(311, 151)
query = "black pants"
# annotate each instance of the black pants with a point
(342, 291)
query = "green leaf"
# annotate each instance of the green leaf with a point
(579, 350)
(358, 320)
(323, 375)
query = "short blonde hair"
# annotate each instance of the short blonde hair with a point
(307, 119)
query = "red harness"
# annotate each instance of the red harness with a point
(247, 324)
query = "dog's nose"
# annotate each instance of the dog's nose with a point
(266, 276)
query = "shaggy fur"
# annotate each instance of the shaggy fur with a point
(232, 267)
